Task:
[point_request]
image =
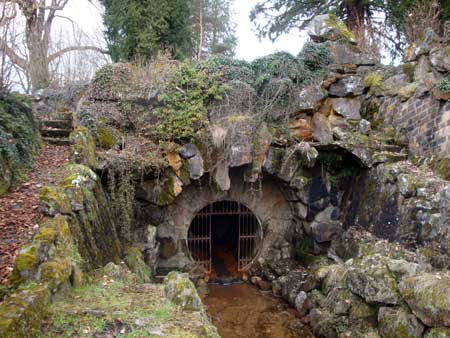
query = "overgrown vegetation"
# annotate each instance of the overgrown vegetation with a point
(184, 108)
(444, 85)
(115, 304)
(18, 139)
(121, 185)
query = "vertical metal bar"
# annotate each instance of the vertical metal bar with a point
(239, 242)
(210, 240)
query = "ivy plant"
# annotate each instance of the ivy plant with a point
(184, 109)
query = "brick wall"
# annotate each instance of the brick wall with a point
(425, 120)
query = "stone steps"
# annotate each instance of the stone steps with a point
(59, 141)
(55, 133)
(57, 124)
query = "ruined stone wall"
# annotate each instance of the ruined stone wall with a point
(426, 122)
(267, 202)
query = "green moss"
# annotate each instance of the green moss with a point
(373, 80)
(106, 139)
(137, 307)
(23, 314)
(443, 168)
(27, 260)
(236, 118)
(444, 85)
(56, 273)
(135, 262)
(335, 22)
(304, 251)
(83, 149)
(408, 69)
(167, 195)
(19, 139)
(408, 91)
(54, 201)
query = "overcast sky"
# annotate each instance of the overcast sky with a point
(249, 46)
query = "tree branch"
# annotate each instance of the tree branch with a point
(63, 51)
(14, 57)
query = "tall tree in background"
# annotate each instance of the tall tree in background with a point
(275, 17)
(214, 31)
(139, 29)
(39, 17)
(386, 17)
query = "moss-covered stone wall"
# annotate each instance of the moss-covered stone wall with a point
(19, 139)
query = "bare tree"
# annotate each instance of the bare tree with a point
(39, 16)
(7, 17)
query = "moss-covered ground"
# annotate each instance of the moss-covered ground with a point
(114, 308)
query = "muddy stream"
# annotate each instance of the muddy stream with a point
(242, 311)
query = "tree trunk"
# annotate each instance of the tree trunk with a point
(38, 66)
(356, 11)
(38, 45)
(200, 29)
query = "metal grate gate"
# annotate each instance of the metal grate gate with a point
(199, 235)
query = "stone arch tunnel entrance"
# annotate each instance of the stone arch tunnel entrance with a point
(225, 237)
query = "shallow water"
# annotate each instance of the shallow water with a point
(242, 311)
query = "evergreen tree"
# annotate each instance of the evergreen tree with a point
(142, 28)
(275, 17)
(214, 31)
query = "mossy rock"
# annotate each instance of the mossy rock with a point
(22, 314)
(136, 264)
(181, 291)
(334, 21)
(428, 297)
(443, 168)
(54, 201)
(373, 81)
(19, 139)
(409, 69)
(408, 91)
(397, 323)
(56, 273)
(106, 138)
(438, 332)
(25, 264)
(83, 149)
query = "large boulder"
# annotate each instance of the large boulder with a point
(322, 129)
(428, 296)
(348, 108)
(347, 54)
(295, 281)
(440, 59)
(395, 322)
(370, 279)
(181, 291)
(348, 86)
(391, 86)
(310, 98)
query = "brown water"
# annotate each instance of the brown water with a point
(242, 311)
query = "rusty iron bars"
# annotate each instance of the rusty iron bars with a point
(248, 233)
(199, 235)
(199, 239)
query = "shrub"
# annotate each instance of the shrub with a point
(444, 85)
(185, 103)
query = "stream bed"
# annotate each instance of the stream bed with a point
(242, 311)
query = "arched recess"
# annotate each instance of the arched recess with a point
(225, 236)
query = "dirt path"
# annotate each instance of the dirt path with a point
(19, 210)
